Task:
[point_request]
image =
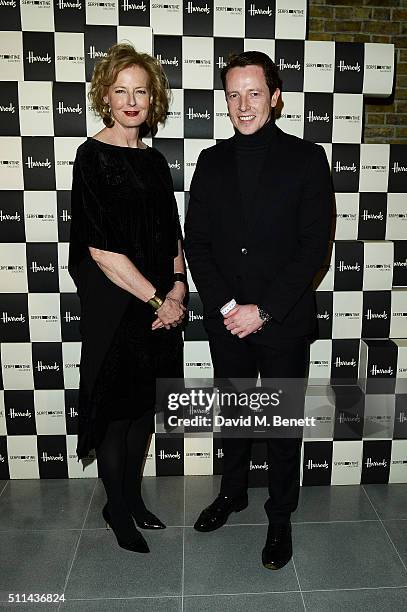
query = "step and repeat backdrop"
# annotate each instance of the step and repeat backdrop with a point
(47, 53)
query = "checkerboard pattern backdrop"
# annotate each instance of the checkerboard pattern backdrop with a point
(47, 53)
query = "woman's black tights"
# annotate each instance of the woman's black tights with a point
(120, 457)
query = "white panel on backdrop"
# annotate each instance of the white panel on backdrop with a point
(398, 325)
(267, 46)
(197, 358)
(149, 465)
(69, 57)
(36, 117)
(396, 222)
(86, 468)
(378, 416)
(291, 119)
(291, 19)
(347, 216)
(13, 268)
(3, 429)
(192, 149)
(191, 284)
(197, 59)
(141, 38)
(398, 464)
(346, 462)
(11, 56)
(229, 18)
(41, 222)
(347, 317)
(319, 405)
(45, 324)
(66, 284)
(102, 13)
(378, 265)
(379, 69)
(325, 282)
(180, 197)
(16, 360)
(11, 163)
(401, 378)
(65, 151)
(374, 167)
(37, 16)
(50, 411)
(174, 125)
(347, 124)
(22, 457)
(320, 362)
(319, 65)
(93, 122)
(166, 18)
(71, 355)
(223, 127)
(197, 455)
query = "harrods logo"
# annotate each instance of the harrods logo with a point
(375, 315)
(10, 217)
(32, 163)
(46, 366)
(343, 67)
(95, 54)
(312, 465)
(192, 114)
(193, 8)
(376, 371)
(8, 109)
(11, 3)
(15, 414)
(45, 457)
(342, 267)
(366, 215)
(65, 215)
(167, 61)
(6, 318)
(258, 466)
(323, 315)
(32, 58)
(220, 62)
(62, 109)
(348, 418)
(285, 65)
(339, 362)
(132, 6)
(194, 317)
(396, 168)
(62, 4)
(175, 165)
(68, 317)
(311, 117)
(371, 463)
(253, 10)
(163, 455)
(34, 267)
(339, 167)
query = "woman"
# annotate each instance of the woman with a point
(127, 263)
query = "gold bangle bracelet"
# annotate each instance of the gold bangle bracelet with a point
(156, 301)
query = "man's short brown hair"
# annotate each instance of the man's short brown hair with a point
(254, 58)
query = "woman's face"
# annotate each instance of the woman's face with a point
(129, 97)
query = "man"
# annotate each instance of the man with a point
(256, 233)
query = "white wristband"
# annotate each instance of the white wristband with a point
(228, 307)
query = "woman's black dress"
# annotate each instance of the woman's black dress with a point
(122, 201)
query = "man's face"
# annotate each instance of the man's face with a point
(248, 98)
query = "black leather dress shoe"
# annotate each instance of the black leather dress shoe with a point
(278, 549)
(148, 520)
(216, 515)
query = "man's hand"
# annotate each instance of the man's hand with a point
(170, 314)
(243, 320)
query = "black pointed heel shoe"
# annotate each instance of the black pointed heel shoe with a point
(147, 520)
(137, 544)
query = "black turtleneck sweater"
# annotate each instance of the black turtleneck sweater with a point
(251, 151)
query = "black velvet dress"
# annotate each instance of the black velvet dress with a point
(122, 201)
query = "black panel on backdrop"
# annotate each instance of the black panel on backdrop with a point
(12, 227)
(20, 413)
(38, 163)
(376, 314)
(400, 264)
(69, 15)
(173, 151)
(260, 18)
(376, 461)
(52, 456)
(14, 325)
(194, 329)
(349, 412)
(349, 67)
(9, 110)
(289, 59)
(198, 113)
(324, 301)
(346, 167)
(169, 455)
(70, 317)
(223, 47)
(4, 469)
(98, 39)
(69, 104)
(42, 267)
(134, 12)
(317, 463)
(318, 114)
(10, 18)
(71, 411)
(398, 169)
(168, 51)
(198, 18)
(372, 216)
(345, 360)
(381, 366)
(64, 215)
(39, 56)
(47, 365)
(349, 258)
(400, 418)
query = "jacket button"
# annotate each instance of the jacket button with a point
(244, 251)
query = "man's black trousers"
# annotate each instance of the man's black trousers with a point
(233, 357)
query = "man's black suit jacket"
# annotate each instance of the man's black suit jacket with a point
(271, 259)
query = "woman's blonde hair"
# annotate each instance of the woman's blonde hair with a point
(120, 56)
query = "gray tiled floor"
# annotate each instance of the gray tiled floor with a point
(350, 550)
